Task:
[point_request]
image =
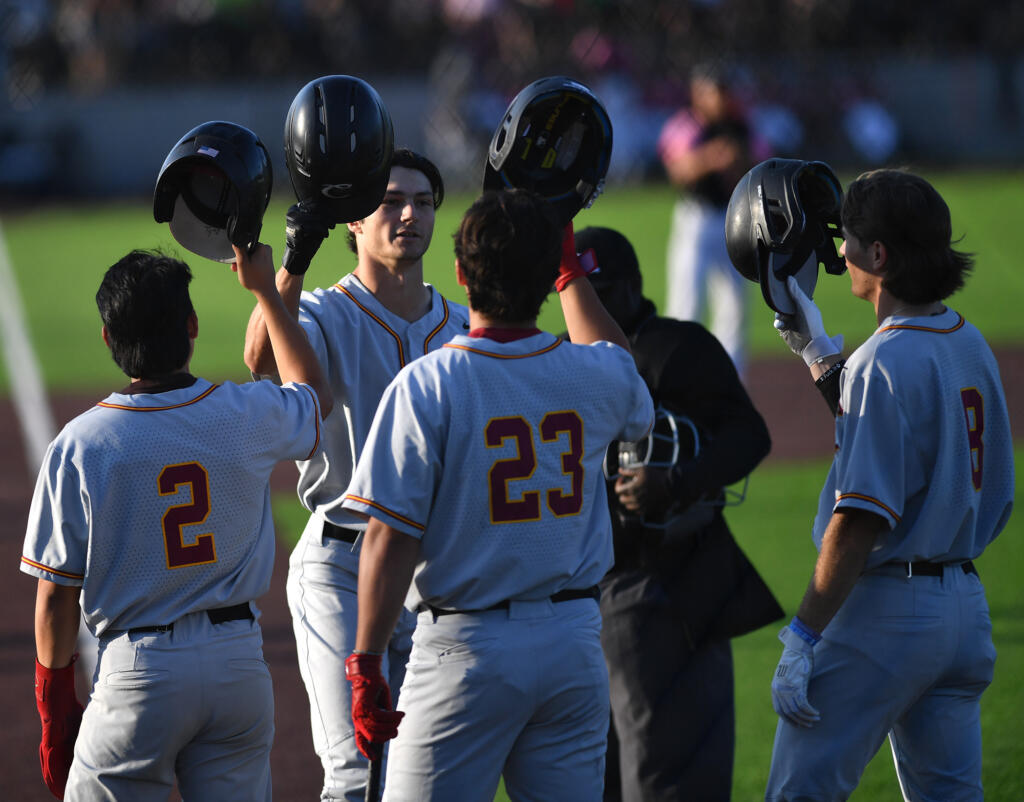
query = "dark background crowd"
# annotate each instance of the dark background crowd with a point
(807, 70)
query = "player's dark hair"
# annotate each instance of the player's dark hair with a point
(906, 214)
(414, 161)
(145, 306)
(509, 246)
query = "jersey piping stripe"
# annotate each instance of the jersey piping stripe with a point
(158, 409)
(862, 497)
(393, 514)
(316, 409)
(385, 326)
(67, 574)
(503, 356)
(441, 325)
(959, 324)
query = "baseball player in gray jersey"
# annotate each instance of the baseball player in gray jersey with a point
(893, 635)
(152, 512)
(364, 329)
(482, 480)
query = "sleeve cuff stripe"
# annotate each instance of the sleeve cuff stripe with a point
(875, 501)
(385, 510)
(55, 571)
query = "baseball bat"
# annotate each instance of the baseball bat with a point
(373, 780)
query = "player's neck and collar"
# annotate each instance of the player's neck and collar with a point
(177, 380)
(398, 287)
(500, 330)
(888, 305)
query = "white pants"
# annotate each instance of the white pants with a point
(521, 693)
(907, 658)
(322, 581)
(701, 275)
(194, 704)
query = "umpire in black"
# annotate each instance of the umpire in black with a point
(680, 587)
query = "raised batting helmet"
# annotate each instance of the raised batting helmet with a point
(213, 189)
(556, 139)
(338, 144)
(782, 220)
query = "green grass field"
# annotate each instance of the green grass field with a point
(59, 255)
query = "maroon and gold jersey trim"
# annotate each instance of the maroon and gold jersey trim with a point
(958, 325)
(392, 513)
(438, 328)
(42, 567)
(482, 352)
(385, 326)
(159, 409)
(862, 497)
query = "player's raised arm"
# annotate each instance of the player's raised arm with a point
(586, 319)
(305, 230)
(293, 356)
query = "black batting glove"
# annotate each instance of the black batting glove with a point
(305, 228)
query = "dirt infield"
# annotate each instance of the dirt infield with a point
(797, 419)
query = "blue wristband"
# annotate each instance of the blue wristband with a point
(804, 631)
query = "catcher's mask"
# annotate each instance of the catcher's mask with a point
(782, 220)
(555, 139)
(338, 145)
(673, 440)
(213, 189)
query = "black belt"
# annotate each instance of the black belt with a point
(593, 592)
(218, 615)
(342, 533)
(932, 569)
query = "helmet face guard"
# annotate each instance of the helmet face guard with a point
(555, 139)
(338, 145)
(782, 220)
(673, 440)
(213, 189)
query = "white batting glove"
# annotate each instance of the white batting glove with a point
(804, 332)
(789, 685)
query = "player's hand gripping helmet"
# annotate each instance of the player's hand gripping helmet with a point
(213, 189)
(782, 220)
(673, 440)
(556, 139)
(338, 144)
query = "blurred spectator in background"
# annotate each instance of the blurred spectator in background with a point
(705, 149)
(870, 129)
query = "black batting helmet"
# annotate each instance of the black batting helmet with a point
(213, 189)
(556, 139)
(782, 220)
(338, 144)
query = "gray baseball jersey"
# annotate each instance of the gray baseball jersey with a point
(923, 440)
(491, 453)
(158, 504)
(361, 345)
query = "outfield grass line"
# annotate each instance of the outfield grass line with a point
(28, 393)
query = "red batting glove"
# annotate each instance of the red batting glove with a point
(61, 716)
(374, 720)
(571, 267)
